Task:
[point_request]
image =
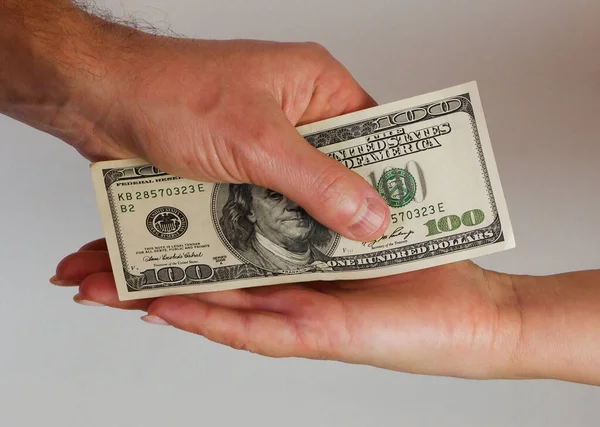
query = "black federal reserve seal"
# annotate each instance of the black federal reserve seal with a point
(167, 223)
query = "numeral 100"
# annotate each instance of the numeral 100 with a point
(453, 222)
(176, 274)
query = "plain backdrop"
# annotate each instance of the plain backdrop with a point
(538, 68)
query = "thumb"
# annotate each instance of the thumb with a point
(332, 194)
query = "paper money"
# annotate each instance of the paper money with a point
(429, 157)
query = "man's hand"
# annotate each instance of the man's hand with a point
(219, 111)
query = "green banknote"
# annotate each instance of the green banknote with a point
(429, 157)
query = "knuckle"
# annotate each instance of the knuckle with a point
(317, 48)
(239, 338)
(313, 338)
(246, 157)
(259, 134)
(311, 54)
(207, 103)
(329, 188)
(255, 157)
(236, 343)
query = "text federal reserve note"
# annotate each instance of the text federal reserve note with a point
(429, 157)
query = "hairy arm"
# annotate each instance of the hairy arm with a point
(40, 57)
(51, 50)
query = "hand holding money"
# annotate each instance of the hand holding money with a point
(429, 158)
(218, 111)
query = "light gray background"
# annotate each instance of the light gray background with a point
(538, 66)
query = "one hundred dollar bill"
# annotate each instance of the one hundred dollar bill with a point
(429, 157)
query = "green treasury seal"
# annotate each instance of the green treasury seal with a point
(397, 186)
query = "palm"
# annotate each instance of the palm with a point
(430, 320)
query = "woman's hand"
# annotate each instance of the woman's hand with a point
(454, 320)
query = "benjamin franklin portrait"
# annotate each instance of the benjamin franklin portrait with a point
(272, 232)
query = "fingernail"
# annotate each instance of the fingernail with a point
(154, 320)
(80, 300)
(369, 218)
(57, 282)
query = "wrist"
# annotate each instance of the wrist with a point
(559, 332)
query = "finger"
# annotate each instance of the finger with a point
(77, 266)
(269, 334)
(275, 298)
(332, 194)
(95, 245)
(347, 97)
(240, 299)
(100, 289)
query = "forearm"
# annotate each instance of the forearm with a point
(560, 329)
(53, 56)
(35, 50)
